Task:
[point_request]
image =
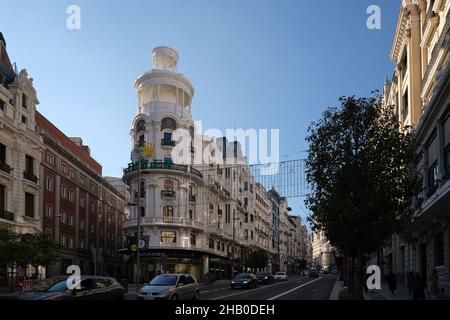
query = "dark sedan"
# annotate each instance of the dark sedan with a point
(55, 288)
(265, 277)
(244, 281)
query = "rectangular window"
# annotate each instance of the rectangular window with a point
(63, 240)
(63, 191)
(72, 173)
(405, 105)
(71, 242)
(82, 201)
(2, 197)
(49, 184)
(29, 164)
(50, 158)
(29, 204)
(218, 246)
(82, 179)
(211, 243)
(24, 101)
(433, 173)
(81, 243)
(63, 167)
(2, 153)
(24, 119)
(2, 105)
(447, 160)
(81, 224)
(71, 195)
(168, 237)
(439, 249)
(193, 239)
(71, 219)
(49, 211)
(63, 217)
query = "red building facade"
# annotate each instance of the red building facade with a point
(80, 210)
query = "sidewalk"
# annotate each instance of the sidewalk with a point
(402, 293)
(337, 288)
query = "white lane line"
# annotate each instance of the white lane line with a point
(292, 290)
(252, 290)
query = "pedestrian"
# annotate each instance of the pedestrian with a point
(410, 283)
(434, 283)
(392, 282)
(419, 287)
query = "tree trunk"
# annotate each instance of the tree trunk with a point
(357, 275)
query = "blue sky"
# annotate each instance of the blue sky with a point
(253, 63)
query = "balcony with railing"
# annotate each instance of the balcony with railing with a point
(168, 194)
(30, 176)
(6, 215)
(161, 165)
(164, 221)
(167, 143)
(5, 167)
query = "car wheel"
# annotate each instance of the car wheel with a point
(196, 295)
(174, 297)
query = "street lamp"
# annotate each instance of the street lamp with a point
(234, 244)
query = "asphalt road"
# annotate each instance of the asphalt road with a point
(297, 288)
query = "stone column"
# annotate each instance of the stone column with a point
(414, 63)
(205, 264)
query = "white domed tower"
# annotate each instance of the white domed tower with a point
(171, 208)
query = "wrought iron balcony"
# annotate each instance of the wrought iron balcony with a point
(30, 176)
(6, 215)
(5, 167)
(167, 194)
(158, 164)
(167, 142)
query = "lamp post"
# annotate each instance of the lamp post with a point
(234, 245)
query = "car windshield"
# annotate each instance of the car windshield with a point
(50, 285)
(280, 274)
(164, 280)
(262, 274)
(243, 276)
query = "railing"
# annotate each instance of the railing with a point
(164, 221)
(6, 215)
(167, 194)
(30, 176)
(5, 167)
(166, 142)
(158, 164)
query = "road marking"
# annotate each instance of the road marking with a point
(292, 290)
(252, 290)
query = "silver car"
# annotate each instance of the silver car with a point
(170, 287)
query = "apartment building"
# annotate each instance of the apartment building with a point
(420, 90)
(200, 218)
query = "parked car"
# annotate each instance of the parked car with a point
(244, 281)
(55, 288)
(170, 287)
(313, 273)
(281, 276)
(265, 277)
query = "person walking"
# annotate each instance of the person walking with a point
(392, 282)
(419, 287)
(410, 283)
(434, 283)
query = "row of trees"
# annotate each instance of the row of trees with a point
(359, 167)
(24, 250)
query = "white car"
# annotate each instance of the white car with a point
(281, 276)
(170, 287)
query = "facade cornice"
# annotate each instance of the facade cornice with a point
(400, 34)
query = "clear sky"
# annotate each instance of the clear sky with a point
(253, 63)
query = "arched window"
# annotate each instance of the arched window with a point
(168, 184)
(168, 214)
(168, 123)
(140, 126)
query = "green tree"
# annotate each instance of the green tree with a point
(45, 251)
(359, 169)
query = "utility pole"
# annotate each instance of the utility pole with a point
(138, 260)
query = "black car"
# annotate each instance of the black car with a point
(55, 288)
(244, 281)
(265, 277)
